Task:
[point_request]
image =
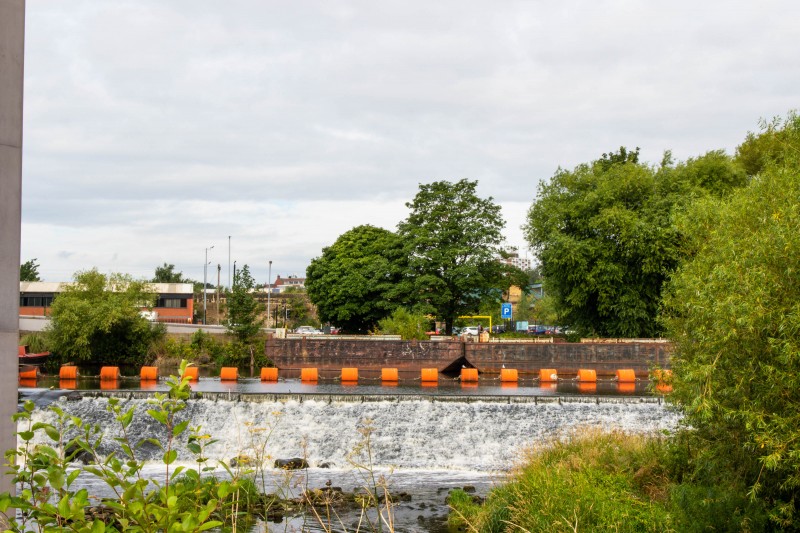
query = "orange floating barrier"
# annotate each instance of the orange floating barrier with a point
(587, 375)
(309, 374)
(108, 384)
(349, 374)
(68, 383)
(509, 375)
(429, 375)
(228, 373)
(68, 372)
(548, 375)
(192, 373)
(148, 373)
(626, 375)
(32, 373)
(109, 373)
(27, 382)
(469, 374)
(269, 374)
(389, 374)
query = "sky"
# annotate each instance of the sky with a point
(258, 131)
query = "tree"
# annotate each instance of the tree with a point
(244, 321)
(606, 241)
(29, 271)
(451, 239)
(96, 320)
(166, 274)
(733, 312)
(353, 282)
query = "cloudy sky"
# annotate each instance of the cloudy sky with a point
(155, 129)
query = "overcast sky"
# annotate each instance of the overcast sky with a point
(155, 129)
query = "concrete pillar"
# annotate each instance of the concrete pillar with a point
(12, 38)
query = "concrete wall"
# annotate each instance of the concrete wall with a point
(12, 38)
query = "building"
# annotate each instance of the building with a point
(174, 303)
(511, 257)
(281, 284)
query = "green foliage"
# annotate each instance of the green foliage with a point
(606, 241)
(593, 482)
(96, 320)
(166, 274)
(406, 324)
(29, 271)
(451, 238)
(353, 283)
(244, 320)
(733, 312)
(182, 500)
(36, 341)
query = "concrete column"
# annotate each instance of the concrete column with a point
(12, 39)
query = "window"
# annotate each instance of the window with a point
(171, 303)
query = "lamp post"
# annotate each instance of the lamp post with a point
(229, 262)
(205, 282)
(269, 290)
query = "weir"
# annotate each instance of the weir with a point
(408, 431)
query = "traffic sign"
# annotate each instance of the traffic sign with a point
(505, 311)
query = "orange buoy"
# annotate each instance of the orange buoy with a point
(269, 374)
(509, 375)
(192, 373)
(547, 375)
(309, 374)
(32, 373)
(349, 374)
(148, 373)
(587, 375)
(389, 374)
(626, 375)
(109, 373)
(68, 372)
(228, 373)
(469, 374)
(429, 375)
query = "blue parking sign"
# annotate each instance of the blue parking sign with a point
(505, 311)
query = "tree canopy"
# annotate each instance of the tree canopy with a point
(353, 282)
(29, 271)
(451, 238)
(96, 320)
(606, 240)
(733, 312)
(244, 321)
(166, 274)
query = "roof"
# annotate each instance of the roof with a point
(58, 286)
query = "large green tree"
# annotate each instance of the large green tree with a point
(733, 311)
(606, 239)
(96, 320)
(29, 271)
(451, 239)
(354, 282)
(166, 274)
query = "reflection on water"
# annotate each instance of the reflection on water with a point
(444, 387)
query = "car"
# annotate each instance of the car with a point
(307, 330)
(470, 330)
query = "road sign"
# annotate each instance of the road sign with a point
(505, 311)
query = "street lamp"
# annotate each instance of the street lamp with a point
(205, 283)
(269, 290)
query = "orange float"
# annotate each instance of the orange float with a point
(626, 375)
(509, 375)
(389, 374)
(587, 375)
(309, 374)
(192, 373)
(32, 373)
(269, 374)
(68, 372)
(548, 375)
(429, 375)
(109, 373)
(469, 374)
(349, 374)
(228, 373)
(148, 373)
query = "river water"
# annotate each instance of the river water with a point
(423, 440)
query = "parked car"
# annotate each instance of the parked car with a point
(307, 330)
(500, 328)
(470, 330)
